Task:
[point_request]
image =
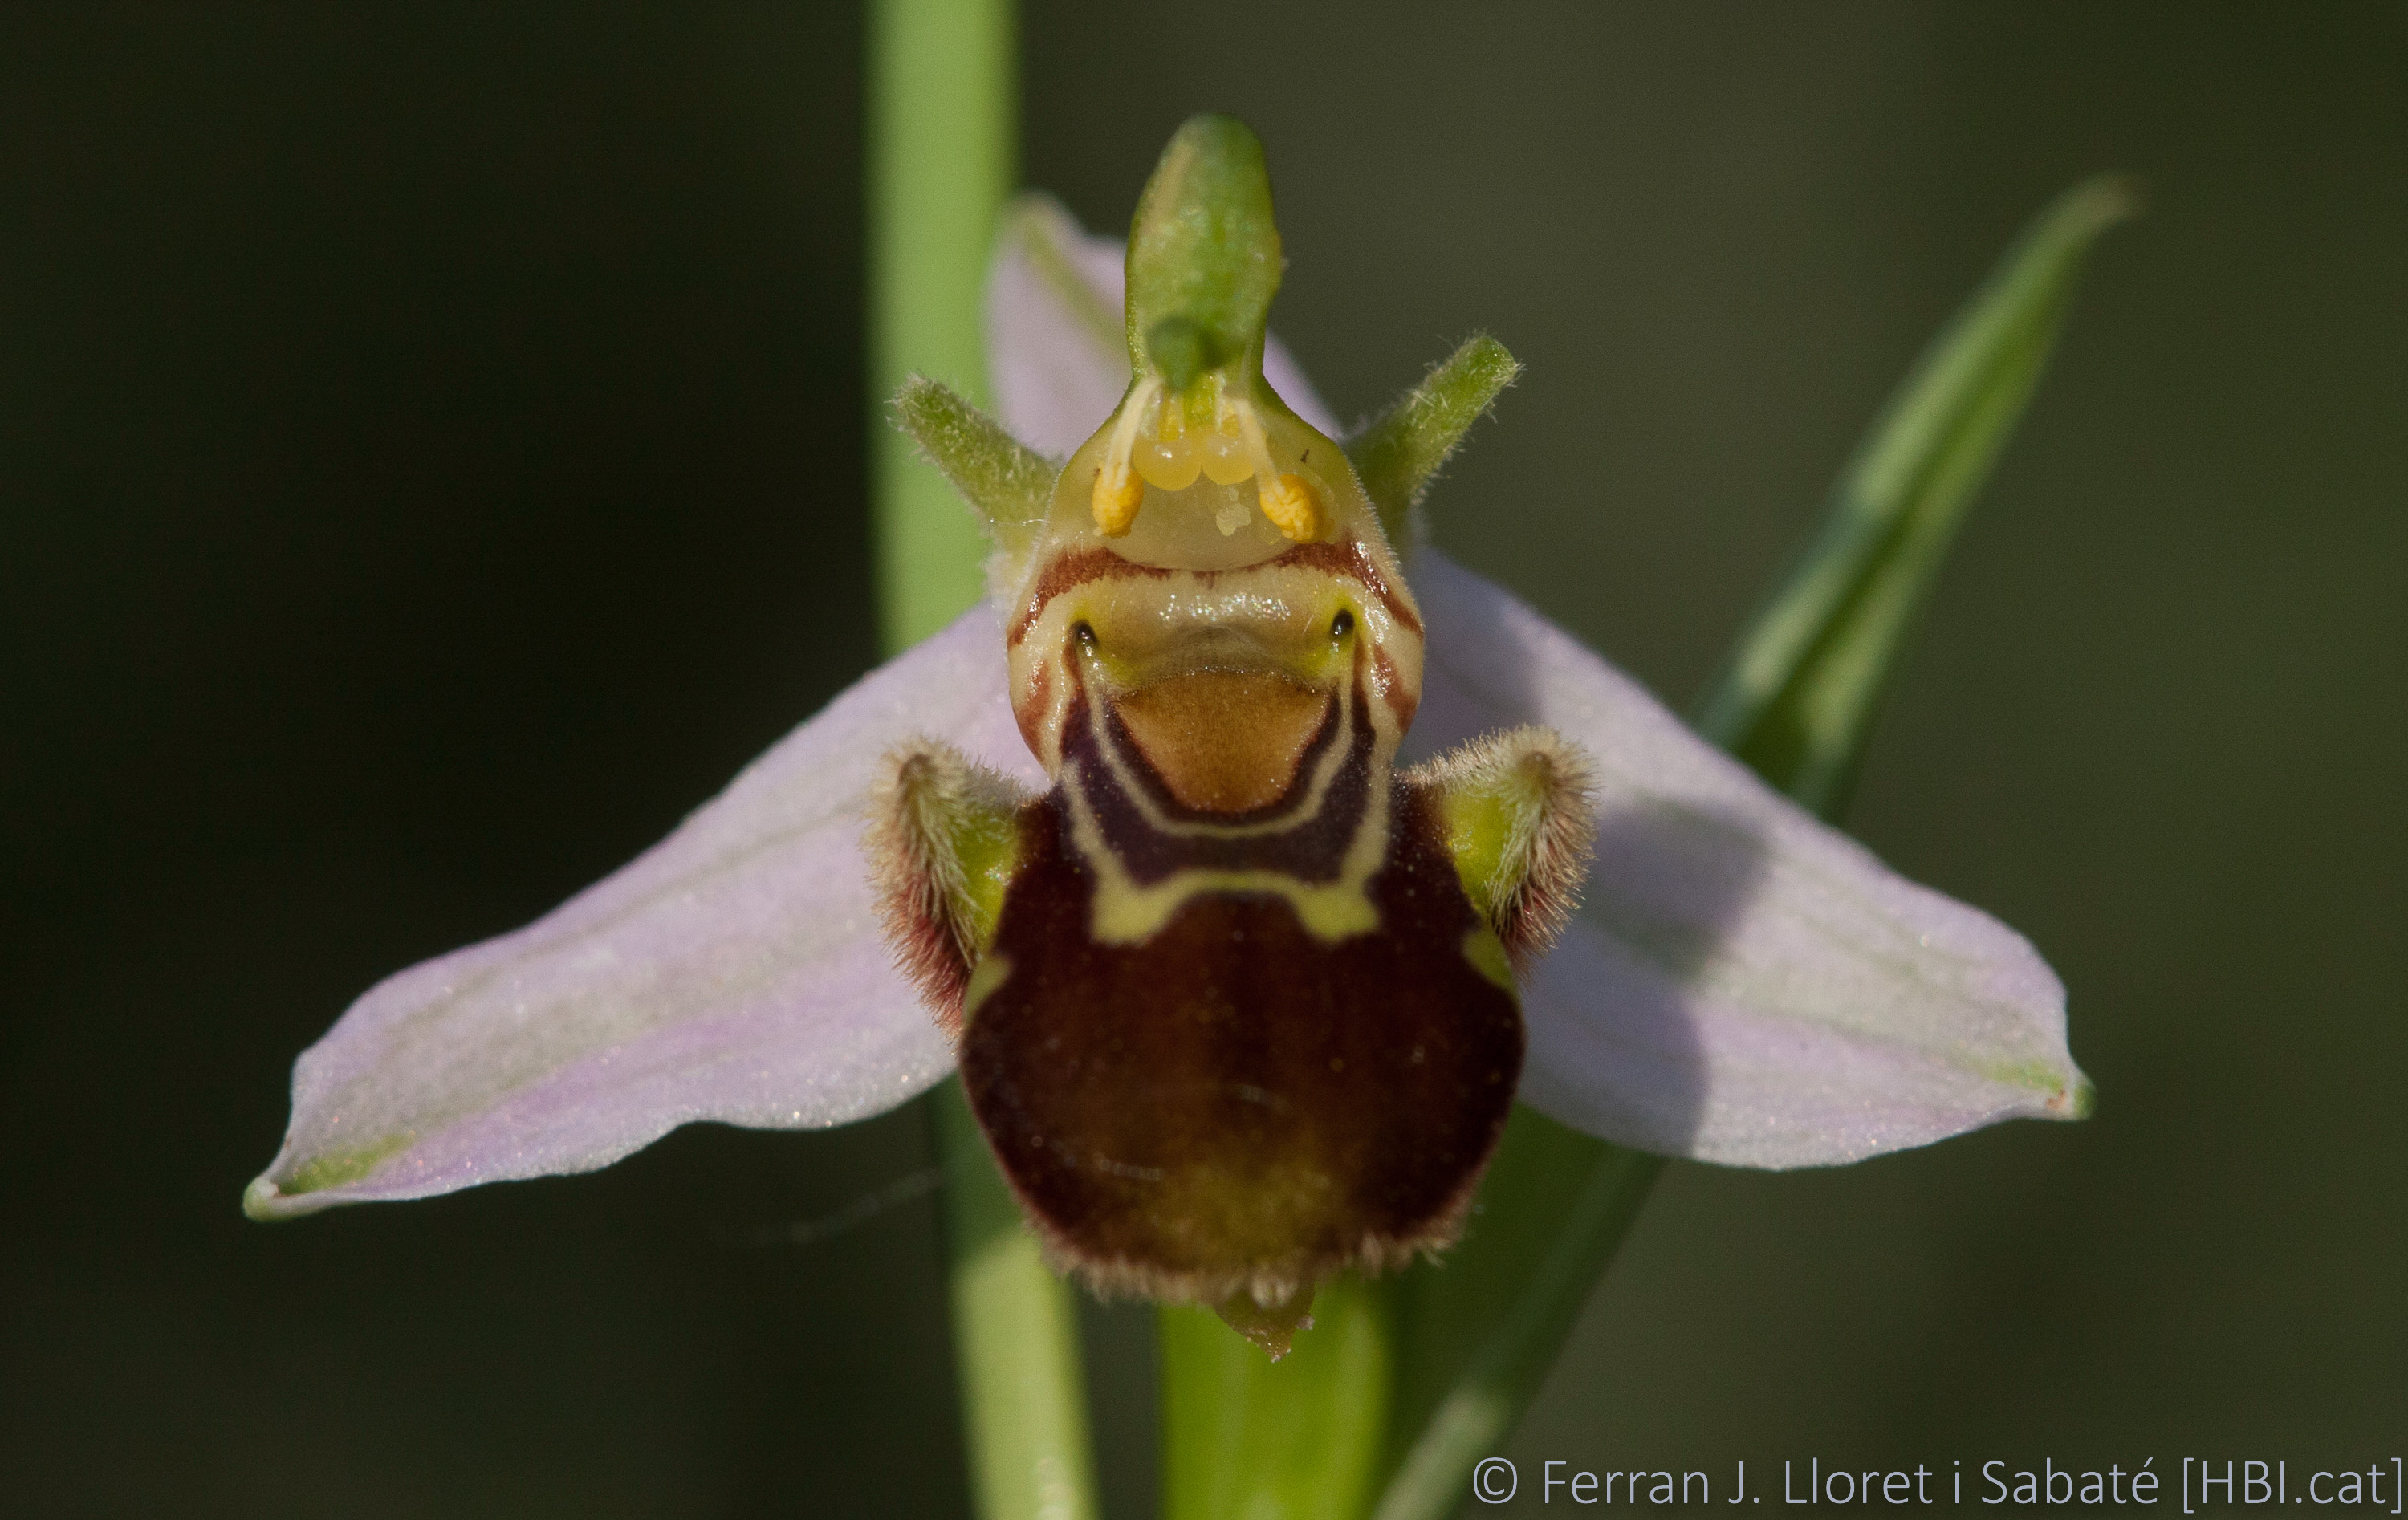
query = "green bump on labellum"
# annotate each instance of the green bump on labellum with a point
(1486, 954)
(990, 973)
(1204, 254)
(985, 845)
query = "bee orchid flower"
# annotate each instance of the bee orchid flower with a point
(1124, 844)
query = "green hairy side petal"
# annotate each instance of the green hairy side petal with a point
(1399, 453)
(1204, 254)
(1010, 484)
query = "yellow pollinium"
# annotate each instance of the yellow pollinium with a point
(1292, 508)
(1168, 463)
(1118, 494)
(1158, 443)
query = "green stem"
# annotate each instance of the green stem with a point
(942, 150)
(941, 163)
(1015, 1341)
(1475, 1414)
(1300, 1438)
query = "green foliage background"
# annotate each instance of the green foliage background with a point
(431, 461)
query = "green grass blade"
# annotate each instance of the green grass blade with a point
(1481, 1331)
(1797, 698)
(1797, 701)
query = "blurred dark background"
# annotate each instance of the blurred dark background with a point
(431, 462)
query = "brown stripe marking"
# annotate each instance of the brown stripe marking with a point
(1074, 570)
(1402, 703)
(1030, 715)
(1352, 560)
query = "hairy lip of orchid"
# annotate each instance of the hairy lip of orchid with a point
(1199, 649)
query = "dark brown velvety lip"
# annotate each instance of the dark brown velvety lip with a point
(1234, 1100)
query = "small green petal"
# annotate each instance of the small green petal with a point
(1010, 486)
(1399, 453)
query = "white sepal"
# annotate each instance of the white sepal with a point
(734, 972)
(1742, 983)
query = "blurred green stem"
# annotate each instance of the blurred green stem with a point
(943, 151)
(1234, 1447)
(943, 108)
(1015, 1341)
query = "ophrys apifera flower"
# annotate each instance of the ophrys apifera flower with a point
(1227, 848)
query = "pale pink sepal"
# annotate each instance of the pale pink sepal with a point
(733, 972)
(1743, 984)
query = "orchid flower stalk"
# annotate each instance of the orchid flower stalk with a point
(1231, 849)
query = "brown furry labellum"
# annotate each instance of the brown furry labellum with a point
(1233, 996)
